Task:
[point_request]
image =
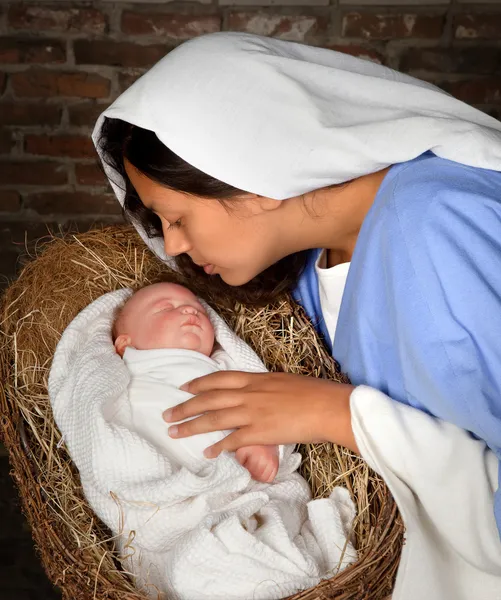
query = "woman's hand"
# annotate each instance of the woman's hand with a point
(265, 408)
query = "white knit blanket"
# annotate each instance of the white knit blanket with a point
(212, 535)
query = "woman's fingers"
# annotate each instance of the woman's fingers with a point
(220, 380)
(229, 418)
(230, 443)
(215, 400)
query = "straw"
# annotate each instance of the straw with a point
(76, 549)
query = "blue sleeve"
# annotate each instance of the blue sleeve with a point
(420, 318)
(454, 250)
(455, 256)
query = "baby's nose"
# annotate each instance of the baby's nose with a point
(189, 310)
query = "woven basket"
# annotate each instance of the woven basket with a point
(74, 546)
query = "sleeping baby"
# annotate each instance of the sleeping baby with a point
(185, 526)
(166, 339)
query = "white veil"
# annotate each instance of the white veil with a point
(280, 118)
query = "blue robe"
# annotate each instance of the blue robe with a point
(420, 317)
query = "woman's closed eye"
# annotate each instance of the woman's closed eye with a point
(175, 225)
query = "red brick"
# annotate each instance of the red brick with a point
(477, 27)
(6, 141)
(475, 60)
(17, 113)
(22, 51)
(10, 201)
(298, 28)
(43, 83)
(82, 203)
(173, 25)
(385, 27)
(64, 19)
(125, 80)
(477, 91)
(85, 114)
(359, 52)
(32, 173)
(90, 174)
(74, 146)
(117, 54)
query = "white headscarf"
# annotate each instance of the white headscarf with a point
(280, 119)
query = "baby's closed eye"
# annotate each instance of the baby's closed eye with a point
(164, 306)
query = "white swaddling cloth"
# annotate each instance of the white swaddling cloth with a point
(215, 534)
(154, 386)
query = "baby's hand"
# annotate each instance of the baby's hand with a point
(260, 461)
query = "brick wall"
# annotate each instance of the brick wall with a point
(62, 63)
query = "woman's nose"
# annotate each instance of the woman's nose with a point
(175, 242)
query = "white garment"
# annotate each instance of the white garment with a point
(331, 282)
(280, 118)
(443, 482)
(214, 534)
(155, 377)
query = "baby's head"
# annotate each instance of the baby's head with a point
(163, 315)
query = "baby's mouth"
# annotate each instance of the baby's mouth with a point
(192, 320)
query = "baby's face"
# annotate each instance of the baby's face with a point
(164, 315)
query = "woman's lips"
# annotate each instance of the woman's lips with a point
(209, 269)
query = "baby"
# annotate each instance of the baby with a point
(167, 315)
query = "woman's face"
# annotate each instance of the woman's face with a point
(236, 243)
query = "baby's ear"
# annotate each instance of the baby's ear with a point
(121, 343)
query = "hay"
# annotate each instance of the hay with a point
(75, 548)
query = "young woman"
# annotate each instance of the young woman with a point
(265, 166)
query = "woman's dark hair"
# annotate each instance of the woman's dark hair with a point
(143, 149)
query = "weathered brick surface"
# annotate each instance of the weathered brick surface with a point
(71, 203)
(173, 24)
(3, 82)
(478, 26)
(394, 26)
(28, 50)
(476, 91)
(90, 174)
(359, 52)
(85, 113)
(125, 80)
(10, 201)
(73, 146)
(296, 28)
(453, 60)
(118, 54)
(37, 172)
(6, 141)
(22, 113)
(67, 19)
(47, 84)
